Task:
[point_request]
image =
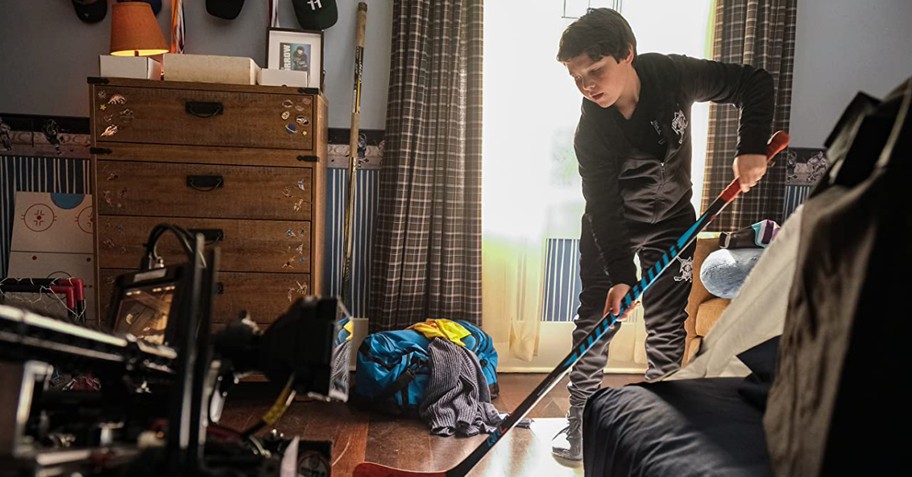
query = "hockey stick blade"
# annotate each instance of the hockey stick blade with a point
(776, 144)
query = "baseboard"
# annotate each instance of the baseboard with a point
(555, 343)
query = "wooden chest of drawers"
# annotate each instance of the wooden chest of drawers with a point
(244, 165)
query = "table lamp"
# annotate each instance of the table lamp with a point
(135, 31)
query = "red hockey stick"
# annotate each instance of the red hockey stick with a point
(776, 144)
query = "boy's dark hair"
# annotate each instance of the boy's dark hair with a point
(600, 32)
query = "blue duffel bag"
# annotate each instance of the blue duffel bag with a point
(391, 369)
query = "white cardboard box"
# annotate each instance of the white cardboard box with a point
(209, 68)
(142, 67)
(273, 77)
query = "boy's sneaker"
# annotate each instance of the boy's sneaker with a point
(568, 443)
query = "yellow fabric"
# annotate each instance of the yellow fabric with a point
(350, 328)
(442, 328)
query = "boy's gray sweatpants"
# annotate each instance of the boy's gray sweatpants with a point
(663, 303)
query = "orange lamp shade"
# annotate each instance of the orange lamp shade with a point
(135, 31)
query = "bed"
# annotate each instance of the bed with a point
(691, 427)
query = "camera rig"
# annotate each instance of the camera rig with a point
(158, 398)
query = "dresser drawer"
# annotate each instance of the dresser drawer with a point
(246, 245)
(166, 115)
(206, 191)
(264, 295)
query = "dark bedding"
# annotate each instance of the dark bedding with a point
(698, 427)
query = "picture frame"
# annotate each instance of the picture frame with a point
(297, 50)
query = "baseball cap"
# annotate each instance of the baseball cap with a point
(316, 14)
(227, 9)
(155, 4)
(91, 11)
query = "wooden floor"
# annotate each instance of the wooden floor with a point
(359, 436)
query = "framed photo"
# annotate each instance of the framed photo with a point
(296, 50)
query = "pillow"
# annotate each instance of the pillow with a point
(724, 270)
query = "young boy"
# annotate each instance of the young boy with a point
(633, 145)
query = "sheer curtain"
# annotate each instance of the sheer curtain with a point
(531, 196)
(530, 110)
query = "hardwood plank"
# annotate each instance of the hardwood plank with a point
(526, 453)
(399, 443)
(354, 451)
(320, 421)
(515, 388)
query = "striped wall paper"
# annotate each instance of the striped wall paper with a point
(362, 226)
(562, 285)
(35, 174)
(562, 282)
(795, 195)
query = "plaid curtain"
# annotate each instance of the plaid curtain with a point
(427, 247)
(760, 33)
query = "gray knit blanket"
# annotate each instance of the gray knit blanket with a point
(457, 400)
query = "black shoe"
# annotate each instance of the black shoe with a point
(568, 444)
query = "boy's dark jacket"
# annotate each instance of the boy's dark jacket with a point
(623, 185)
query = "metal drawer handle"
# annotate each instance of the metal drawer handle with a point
(203, 109)
(210, 235)
(205, 183)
